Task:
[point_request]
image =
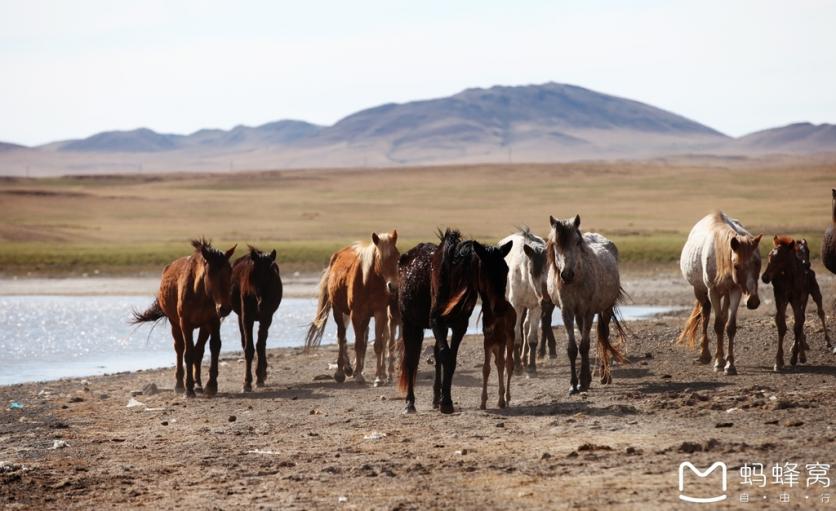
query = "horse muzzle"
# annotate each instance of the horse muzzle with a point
(766, 278)
(566, 276)
(753, 302)
(392, 287)
(223, 310)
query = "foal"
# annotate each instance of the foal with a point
(802, 250)
(256, 295)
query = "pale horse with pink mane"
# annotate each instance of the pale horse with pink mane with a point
(722, 262)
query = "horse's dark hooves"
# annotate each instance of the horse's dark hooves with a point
(531, 371)
(247, 388)
(179, 388)
(198, 388)
(552, 356)
(573, 391)
(606, 380)
(189, 394)
(339, 377)
(778, 368)
(259, 384)
(730, 371)
(409, 409)
(348, 370)
(703, 359)
(446, 408)
(211, 389)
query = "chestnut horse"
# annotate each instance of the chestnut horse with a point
(194, 293)
(357, 285)
(256, 295)
(441, 285)
(722, 262)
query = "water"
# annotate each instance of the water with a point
(51, 337)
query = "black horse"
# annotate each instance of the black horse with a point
(438, 287)
(256, 295)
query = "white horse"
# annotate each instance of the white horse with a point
(722, 262)
(583, 280)
(526, 279)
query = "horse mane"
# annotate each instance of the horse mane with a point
(369, 256)
(205, 248)
(451, 250)
(784, 240)
(529, 236)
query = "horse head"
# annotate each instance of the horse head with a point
(217, 274)
(567, 246)
(264, 271)
(493, 274)
(781, 258)
(388, 257)
(802, 251)
(538, 268)
(746, 261)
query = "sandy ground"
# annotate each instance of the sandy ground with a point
(307, 442)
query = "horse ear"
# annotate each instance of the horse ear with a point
(758, 239)
(506, 248)
(204, 252)
(375, 238)
(528, 251)
(480, 250)
(775, 241)
(394, 236)
(734, 243)
(577, 222)
(253, 254)
(231, 251)
(552, 221)
(273, 255)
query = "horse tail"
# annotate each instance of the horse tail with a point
(608, 351)
(152, 314)
(323, 308)
(689, 333)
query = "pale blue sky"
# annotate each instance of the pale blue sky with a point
(70, 69)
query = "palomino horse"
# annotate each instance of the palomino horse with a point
(256, 295)
(791, 284)
(194, 293)
(828, 245)
(438, 289)
(526, 265)
(583, 280)
(802, 251)
(357, 285)
(722, 262)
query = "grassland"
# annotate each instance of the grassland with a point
(137, 223)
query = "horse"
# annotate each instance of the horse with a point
(256, 295)
(194, 293)
(526, 267)
(438, 286)
(722, 263)
(828, 246)
(583, 280)
(498, 327)
(802, 251)
(356, 286)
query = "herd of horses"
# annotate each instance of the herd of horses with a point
(519, 282)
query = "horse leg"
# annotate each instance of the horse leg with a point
(815, 292)
(381, 331)
(518, 341)
(572, 348)
(361, 328)
(200, 349)
(781, 324)
(732, 303)
(508, 363)
(188, 337)
(261, 350)
(249, 351)
(342, 355)
(179, 349)
(413, 338)
(392, 347)
(458, 332)
(347, 367)
(705, 317)
(603, 339)
(440, 353)
(586, 372)
(215, 349)
(798, 333)
(719, 323)
(486, 372)
(532, 328)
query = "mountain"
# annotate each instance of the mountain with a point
(802, 137)
(550, 122)
(6, 146)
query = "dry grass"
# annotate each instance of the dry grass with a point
(139, 222)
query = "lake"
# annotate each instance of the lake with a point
(51, 337)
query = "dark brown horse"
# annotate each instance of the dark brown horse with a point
(256, 295)
(802, 250)
(194, 293)
(791, 286)
(441, 286)
(498, 329)
(828, 246)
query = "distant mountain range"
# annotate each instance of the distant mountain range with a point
(536, 123)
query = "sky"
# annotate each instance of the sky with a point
(71, 69)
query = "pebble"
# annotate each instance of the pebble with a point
(232, 418)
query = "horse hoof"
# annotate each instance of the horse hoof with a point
(606, 380)
(348, 370)
(446, 408)
(777, 368)
(730, 371)
(483, 406)
(179, 388)
(531, 370)
(409, 409)
(189, 394)
(198, 388)
(247, 388)
(573, 391)
(802, 358)
(703, 359)
(501, 404)
(378, 382)
(359, 378)
(259, 383)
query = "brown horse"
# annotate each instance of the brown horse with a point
(256, 295)
(498, 329)
(194, 293)
(802, 250)
(357, 285)
(828, 246)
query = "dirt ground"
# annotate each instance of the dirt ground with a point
(307, 442)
